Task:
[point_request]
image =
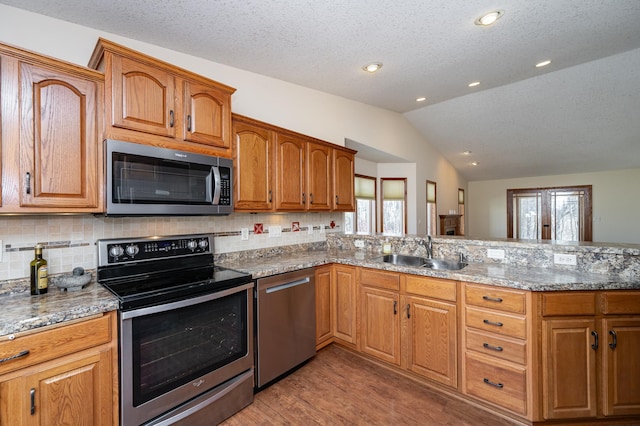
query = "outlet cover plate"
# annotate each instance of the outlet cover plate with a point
(358, 243)
(244, 234)
(564, 259)
(495, 253)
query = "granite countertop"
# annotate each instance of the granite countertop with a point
(525, 278)
(22, 312)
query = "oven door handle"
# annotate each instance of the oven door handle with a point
(183, 303)
(287, 285)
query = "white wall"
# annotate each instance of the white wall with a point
(616, 203)
(307, 111)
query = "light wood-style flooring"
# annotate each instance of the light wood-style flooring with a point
(337, 387)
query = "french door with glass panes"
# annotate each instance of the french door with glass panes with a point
(561, 214)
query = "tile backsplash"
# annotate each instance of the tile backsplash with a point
(70, 240)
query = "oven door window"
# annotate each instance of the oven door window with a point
(174, 347)
(144, 180)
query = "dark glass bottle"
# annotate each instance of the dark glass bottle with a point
(39, 273)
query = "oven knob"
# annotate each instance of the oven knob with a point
(116, 251)
(132, 250)
(203, 244)
(192, 245)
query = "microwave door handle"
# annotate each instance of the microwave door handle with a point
(217, 184)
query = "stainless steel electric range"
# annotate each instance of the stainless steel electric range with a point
(185, 330)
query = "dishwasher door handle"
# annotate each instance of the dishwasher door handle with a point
(287, 285)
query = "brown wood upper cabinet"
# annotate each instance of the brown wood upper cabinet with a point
(280, 170)
(51, 123)
(153, 102)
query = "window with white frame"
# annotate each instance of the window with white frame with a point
(432, 216)
(363, 220)
(394, 201)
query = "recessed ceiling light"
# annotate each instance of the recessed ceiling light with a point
(421, 99)
(543, 64)
(372, 67)
(489, 18)
(474, 84)
(475, 163)
(466, 153)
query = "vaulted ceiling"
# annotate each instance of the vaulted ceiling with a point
(578, 114)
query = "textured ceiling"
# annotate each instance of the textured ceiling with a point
(575, 115)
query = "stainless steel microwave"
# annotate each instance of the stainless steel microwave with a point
(144, 180)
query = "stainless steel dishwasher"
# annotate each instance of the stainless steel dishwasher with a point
(285, 323)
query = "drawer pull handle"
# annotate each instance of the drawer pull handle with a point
(613, 344)
(595, 340)
(492, 299)
(16, 356)
(33, 401)
(497, 324)
(395, 307)
(494, 348)
(496, 385)
(408, 310)
(171, 118)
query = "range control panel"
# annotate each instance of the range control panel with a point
(118, 251)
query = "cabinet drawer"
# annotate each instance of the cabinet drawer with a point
(499, 383)
(54, 343)
(568, 303)
(496, 298)
(621, 302)
(496, 346)
(497, 322)
(430, 287)
(381, 279)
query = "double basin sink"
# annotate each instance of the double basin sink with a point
(422, 262)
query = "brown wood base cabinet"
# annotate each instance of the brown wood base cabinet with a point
(537, 357)
(591, 346)
(68, 376)
(336, 305)
(410, 321)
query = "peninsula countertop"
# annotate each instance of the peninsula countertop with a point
(520, 277)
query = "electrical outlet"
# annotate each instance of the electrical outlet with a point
(564, 259)
(322, 229)
(275, 231)
(495, 253)
(244, 234)
(310, 229)
(358, 243)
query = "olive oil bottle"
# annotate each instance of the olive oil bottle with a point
(39, 274)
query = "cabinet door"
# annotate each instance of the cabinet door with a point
(380, 324)
(344, 199)
(319, 176)
(253, 161)
(621, 366)
(344, 303)
(291, 192)
(58, 139)
(76, 391)
(143, 97)
(324, 323)
(207, 115)
(569, 368)
(431, 330)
